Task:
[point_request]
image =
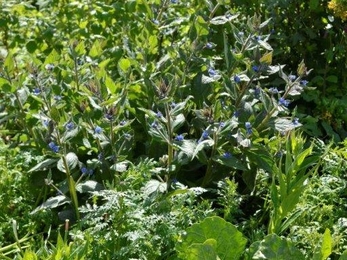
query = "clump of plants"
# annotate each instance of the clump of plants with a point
(149, 117)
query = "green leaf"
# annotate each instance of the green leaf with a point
(88, 186)
(124, 64)
(202, 145)
(31, 46)
(232, 162)
(43, 165)
(71, 161)
(51, 203)
(215, 234)
(272, 247)
(200, 251)
(201, 26)
(154, 186)
(6, 87)
(325, 249)
(96, 49)
(9, 63)
(111, 86)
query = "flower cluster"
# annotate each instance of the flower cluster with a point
(54, 147)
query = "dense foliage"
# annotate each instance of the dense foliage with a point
(157, 129)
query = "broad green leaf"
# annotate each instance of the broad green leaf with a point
(111, 86)
(88, 186)
(154, 186)
(218, 234)
(96, 49)
(325, 250)
(202, 145)
(9, 63)
(51, 203)
(124, 64)
(178, 122)
(201, 26)
(343, 256)
(232, 162)
(43, 165)
(29, 255)
(5, 86)
(272, 247)
(71, 161)
(200, 251)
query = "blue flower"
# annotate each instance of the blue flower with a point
(292, 77)
(257, 37)
(179, 138)
(273, 90)
(98, 130)
(295, 121)
(227, 155)
(283, 102)
(123, 122)
(84, 170)
(45, 122)
(236, 114)
(205, 134)
(304, 82)
(109, 116)
(49, 67)
(248, 126)
(221, 124)
(237, 79)
(69, 126)
(155, 21)
(36, 91)
(172, 104)
(174, 1)
(256, 92)
(209, 45)
(159, 114)
(101, 156)
(212, 72)
(54, 147)
(255, 68)
(57, 98)
(154, 124)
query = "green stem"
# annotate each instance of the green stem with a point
(208, 175)
(170, 132)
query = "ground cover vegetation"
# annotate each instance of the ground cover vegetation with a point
(162, 129)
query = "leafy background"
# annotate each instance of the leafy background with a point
(172, 129)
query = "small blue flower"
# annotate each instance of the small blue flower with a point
(37, 91)
(172, 104)
(221, 124)
(227, 155)
(295, 121)
(174, 1)
(101, 156)
(122, 123)
(257, 92)
(98, 130)
(283, 102)
(257, 38)
(54, 147)
(236, 114)
(109, 116)
(84, 170)
(57, 98)
(237, 79)
(154, 124)
(205, 134)
(45, 123)
(248, 126)
(179, 138)
(69, 126)
(304, 82)
(209, 45)
(212, 72)
(155, 21)
(292, 77)
(159, 114)
(255, 68)
(273, 90)
(49, 67)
